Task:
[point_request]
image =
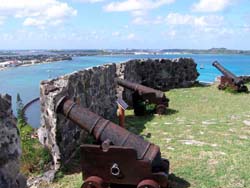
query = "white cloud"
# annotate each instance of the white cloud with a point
(211, 5)
(246, 27)
(199, 21)
(139, 13)
(2, 19)
(144, 20)
(90, 1)
(34, 22)
(136, 5)
(6, 36)
(116, 34)
(131, 36)
(140, 21)
(37, 13)
(170, 34)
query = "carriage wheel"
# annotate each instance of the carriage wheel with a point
(161, 109)
(148, 184)
(93, 182)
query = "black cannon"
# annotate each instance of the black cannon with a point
(143, 93)
(229, 79)
(121, 159)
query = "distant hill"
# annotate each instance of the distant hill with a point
(92, 52)
(208, 51)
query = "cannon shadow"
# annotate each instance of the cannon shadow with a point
(171, 111)
(177, 182)
(136, 124)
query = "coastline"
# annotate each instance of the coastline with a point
(31, 64)
(70, 57)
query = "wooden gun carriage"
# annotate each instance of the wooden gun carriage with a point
(229, 79)
(121, 159)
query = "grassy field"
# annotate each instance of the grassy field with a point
(205, 135)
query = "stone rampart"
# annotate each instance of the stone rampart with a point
(95, 89)
(10, 148)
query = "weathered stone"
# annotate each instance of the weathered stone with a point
(162, 74)
(92, 88)
(45, 179)
(246, 122)
(246, 79)
(10, 148)
(95, 89)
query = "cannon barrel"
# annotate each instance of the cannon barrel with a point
(145, 93)
(139, 88)
(227, 73)
(104, 130)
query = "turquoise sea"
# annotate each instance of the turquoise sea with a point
(26, 80)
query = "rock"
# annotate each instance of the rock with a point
(168, 123)
(10, 148)
(246, 122)
(197, 143)
(243, 137)
(170, 148)
(193, 142)
(208, 123)
(44, 179)
(245, 78)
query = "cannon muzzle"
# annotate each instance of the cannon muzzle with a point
(141, 89)
(229, 79)
(145, 93)
(227, 73)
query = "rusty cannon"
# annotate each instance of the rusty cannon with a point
(121, 159)
(143, 93)
(229, 79)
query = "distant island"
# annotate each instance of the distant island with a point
(15, 58)
(149, 51)
(209, 51)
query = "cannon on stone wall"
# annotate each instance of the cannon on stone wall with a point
(229, 79)
(143, 93)
(121, 159)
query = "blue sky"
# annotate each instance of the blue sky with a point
(109, 24)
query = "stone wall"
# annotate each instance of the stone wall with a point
(92, 88)
(162, 74)
(95, 89)
(246, 79)
(10, 148)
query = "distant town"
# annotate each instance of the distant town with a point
(8, 61)
(15, 58)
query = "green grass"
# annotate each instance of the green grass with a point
(34, 156)
(203, 136)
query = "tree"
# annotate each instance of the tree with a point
(20, 113)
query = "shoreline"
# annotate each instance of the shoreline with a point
(31, 64)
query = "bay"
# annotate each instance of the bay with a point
(26, 80)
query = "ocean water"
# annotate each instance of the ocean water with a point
(26, 80)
